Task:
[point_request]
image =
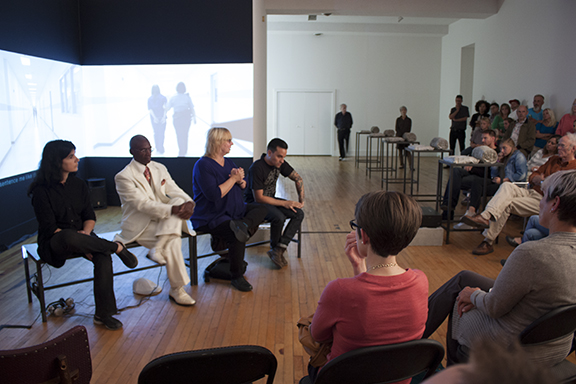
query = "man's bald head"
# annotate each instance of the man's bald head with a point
(140, 149)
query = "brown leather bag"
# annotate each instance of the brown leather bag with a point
(317, 351)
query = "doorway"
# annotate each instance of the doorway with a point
(304, 120)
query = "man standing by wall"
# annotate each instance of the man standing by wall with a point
(261, 188)
(343, 122)
(458, 114)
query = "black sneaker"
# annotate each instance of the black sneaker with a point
(241, 284)
(240, 230)
(109, 322)
(127, 257)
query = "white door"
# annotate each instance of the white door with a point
(304, 121)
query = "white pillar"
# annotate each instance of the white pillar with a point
(259, 60)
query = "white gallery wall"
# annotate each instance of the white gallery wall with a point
(373, 73)
(525, 49)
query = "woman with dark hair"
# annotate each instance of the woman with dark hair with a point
(537, 278)
(515, 170)
(541, 157)
(156, 107)
(383, 303)
(220, 210)
(182, 116)
(567, 122)
(65, 226)
(482, 107)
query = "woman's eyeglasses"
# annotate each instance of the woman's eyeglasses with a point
(353, 225)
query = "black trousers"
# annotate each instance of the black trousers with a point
(255, 214)
(459, 135)
(68, 244)
(343, 139)
(441, 303)
(276, 216)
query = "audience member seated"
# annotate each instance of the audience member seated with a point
(383, 303)
(533, 231)
(498, 123)
(481, 107)
(261, 188)
(494, 111)
(542, 156)
(514, 104)
(476, 137)
(463, 177)
(66, 226)
(545, 129)
(495, 363)
(154, 214)
(513, 199)
(567, 122)
(403, 125)
(523, 133)
(218, 186)
(537, 278)
(514, 171)
(535, 113)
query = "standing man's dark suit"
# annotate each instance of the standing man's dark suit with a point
(343, 121)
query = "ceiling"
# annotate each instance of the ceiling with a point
(375, 16)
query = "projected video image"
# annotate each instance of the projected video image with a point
(99, 108)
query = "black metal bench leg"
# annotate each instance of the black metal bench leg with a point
(40, 290)
(193, 244)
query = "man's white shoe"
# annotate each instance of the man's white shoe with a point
(180, 297)
(156, 257)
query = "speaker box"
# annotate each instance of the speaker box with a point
(97, 188)
(430, 218)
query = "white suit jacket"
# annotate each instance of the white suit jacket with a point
(140, 204)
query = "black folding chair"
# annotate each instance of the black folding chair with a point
(227, 365)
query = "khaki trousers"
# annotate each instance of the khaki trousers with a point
(509, 199)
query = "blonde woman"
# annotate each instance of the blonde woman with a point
(220, 210)
(545, 130)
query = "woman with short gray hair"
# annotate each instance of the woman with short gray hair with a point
(537, 278)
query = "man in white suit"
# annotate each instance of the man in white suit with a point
(154, 214)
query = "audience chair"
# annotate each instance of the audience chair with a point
(382, 364)
(227, 365)
(554, 325)
(65, 360)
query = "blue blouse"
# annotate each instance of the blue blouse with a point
(212, 208)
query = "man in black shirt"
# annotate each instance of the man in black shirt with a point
(261, 188)
(458, 114)
(343, 122)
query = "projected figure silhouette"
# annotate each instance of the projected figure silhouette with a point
(156, 105)
(182, 116)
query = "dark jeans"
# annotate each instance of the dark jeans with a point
(477, 188)
(255, 214)
(459, 135)
(68, 244)
(276, 216)
(441, 303)
(461, 179)
(343, 139)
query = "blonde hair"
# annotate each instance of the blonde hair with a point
(552, 116)
(214, 139)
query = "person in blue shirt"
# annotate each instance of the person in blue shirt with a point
(220, 210)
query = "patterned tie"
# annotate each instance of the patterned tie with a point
(147, 175)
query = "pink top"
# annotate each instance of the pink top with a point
(566, 124)
(368, 310)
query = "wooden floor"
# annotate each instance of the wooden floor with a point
(225, 316)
